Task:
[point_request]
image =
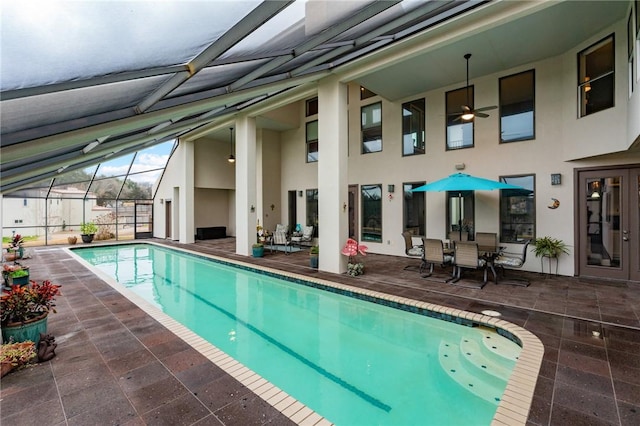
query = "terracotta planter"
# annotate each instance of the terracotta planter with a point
(72, 240)
(10, 257)
(5, 368)
(29, 330)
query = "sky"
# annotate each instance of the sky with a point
(148, 159)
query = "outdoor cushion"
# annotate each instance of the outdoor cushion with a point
(508, 261)
(415, 251)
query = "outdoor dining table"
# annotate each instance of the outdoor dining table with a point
(489, 254)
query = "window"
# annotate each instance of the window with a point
(414, 209)
(459, 132)
(371, 213)
(413, 127)
(517, 107)
(372, 128)
(461, 212)
(596, 77)
(312, 210)
(366, 93)
(517, 210)
(312, 141)
(311, 107)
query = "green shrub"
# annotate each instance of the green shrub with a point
(88, 228)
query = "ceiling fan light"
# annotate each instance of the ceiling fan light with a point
(231, 159)
(467, 116)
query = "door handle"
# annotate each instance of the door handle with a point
(625, 235)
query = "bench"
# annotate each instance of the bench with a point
(211, 233)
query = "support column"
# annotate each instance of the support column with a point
(246, 201)
(332, 174)
(186, 206)
(1, 219)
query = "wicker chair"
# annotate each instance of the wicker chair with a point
(434, 254)
(466, 256)
(412, 250)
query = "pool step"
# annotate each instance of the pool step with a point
(500, 346)
(473, 365)
(491, 357)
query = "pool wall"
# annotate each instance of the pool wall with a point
(514, 405)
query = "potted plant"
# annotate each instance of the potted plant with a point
(352, 249)
(24, 310)
(15, 249)
(314, 253)
(88, 231)
(551, 248)
(15, 275)
(18, 277)
(257, 249)
(15, 354)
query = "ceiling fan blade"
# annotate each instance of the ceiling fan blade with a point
(481, 114)
(487, 108)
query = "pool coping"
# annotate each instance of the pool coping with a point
(513, 407)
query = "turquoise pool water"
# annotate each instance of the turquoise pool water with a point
(354, 362)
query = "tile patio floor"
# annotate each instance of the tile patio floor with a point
(117, 365)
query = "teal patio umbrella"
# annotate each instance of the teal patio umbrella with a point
(463, 182)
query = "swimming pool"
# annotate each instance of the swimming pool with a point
(352, 361)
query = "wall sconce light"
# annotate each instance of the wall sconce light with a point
(273, 206)
(231, 158)
(391, 188)
(161, 200)
(253, 209)
(299, 193)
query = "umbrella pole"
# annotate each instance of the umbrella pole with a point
(460, 216)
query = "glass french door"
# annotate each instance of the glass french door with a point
(609, 223)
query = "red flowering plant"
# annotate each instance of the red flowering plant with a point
(16, 242)
(352, 249)
(20, 304)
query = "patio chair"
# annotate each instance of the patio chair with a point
(513, 261)
(280, 238)
(457, 236)
(412, 250)
(434, 254)
(466, 256)
(306, 236)
(487, 241)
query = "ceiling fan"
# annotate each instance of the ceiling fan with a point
(468, 113)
